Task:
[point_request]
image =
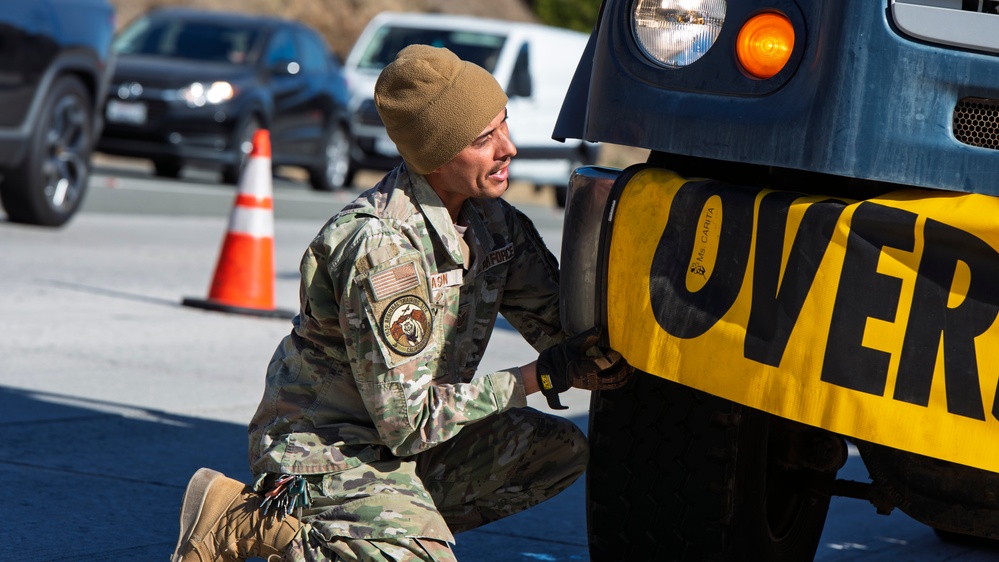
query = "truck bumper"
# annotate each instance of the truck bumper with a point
(586, 213)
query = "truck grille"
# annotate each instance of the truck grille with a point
(976, 122)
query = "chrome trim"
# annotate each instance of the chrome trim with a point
(588, 192)
(944, 22)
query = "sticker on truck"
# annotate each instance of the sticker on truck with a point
(875, 319)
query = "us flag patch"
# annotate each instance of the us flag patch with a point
(394, 281)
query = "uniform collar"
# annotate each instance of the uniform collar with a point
(437, 215)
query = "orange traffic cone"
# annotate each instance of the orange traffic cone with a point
(244, 276)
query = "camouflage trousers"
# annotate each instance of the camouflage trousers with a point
(496, 467)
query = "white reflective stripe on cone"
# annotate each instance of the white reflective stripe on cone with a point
(254, 222)
(249, 182)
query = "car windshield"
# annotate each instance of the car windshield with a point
(186, 39)
(480, 48)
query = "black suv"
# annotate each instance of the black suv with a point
(193, 86)
(55, 63)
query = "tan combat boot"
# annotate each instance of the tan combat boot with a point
(221, 521)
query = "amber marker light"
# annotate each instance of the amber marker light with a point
(764, 44)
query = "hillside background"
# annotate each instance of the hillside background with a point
(341, 22)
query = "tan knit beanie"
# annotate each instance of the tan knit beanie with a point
(434, 104)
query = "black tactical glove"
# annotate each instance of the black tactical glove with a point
(579, 362)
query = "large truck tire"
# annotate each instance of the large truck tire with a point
(677, 474)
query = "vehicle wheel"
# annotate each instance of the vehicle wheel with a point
(167, 167)
(48, 187)
(243, 145)
(677, 474)
(335, 169)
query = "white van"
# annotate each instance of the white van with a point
(534, 64)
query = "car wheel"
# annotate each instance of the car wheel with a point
(167, 167)
(335, 169)
(677, 474)
(243, 145)
(48, 187)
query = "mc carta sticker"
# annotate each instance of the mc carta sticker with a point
(875, 319)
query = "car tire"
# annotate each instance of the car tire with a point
(677, 474)
(167, 167)
(335, 169)
(48, 186)
(243, 146)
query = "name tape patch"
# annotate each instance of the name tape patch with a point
(444, 280)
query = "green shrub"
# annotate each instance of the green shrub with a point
(580, 15)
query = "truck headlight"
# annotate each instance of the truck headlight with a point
(676, 33)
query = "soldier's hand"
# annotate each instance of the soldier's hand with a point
(580, 362)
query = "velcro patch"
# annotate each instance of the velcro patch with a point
(393, 281)
(497, 257)
(441, 281)
(407, 325)
(546, 382)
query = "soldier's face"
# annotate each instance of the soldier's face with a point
(480, 170)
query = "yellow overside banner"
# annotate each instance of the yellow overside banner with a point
(875, 319)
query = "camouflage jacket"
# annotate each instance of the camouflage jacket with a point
(393, 323)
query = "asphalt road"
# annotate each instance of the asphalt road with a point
(112, 393)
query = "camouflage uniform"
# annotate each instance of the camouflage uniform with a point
(374, 395)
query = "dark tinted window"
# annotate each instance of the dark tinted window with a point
(314, 53)
(520, 81)
(987, 6)
(282, 48)
(196, 40)
(480, 48)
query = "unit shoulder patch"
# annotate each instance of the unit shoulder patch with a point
(406, 325)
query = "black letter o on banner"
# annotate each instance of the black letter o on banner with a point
(681, 313)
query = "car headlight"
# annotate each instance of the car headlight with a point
(676, 33)
(199, 95)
